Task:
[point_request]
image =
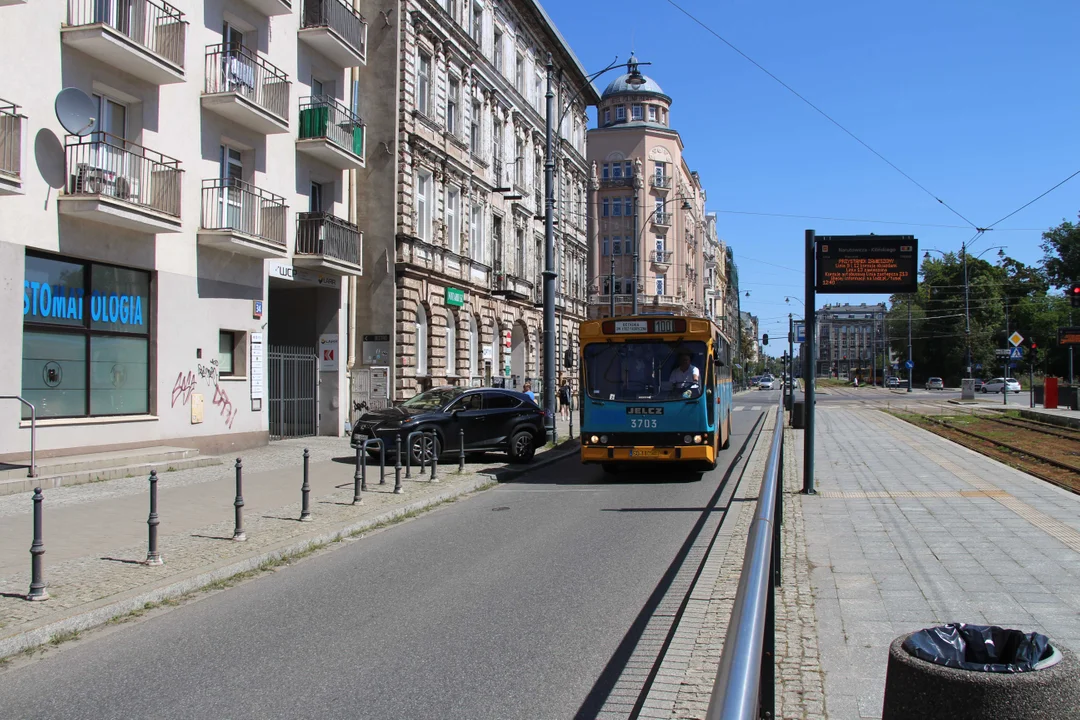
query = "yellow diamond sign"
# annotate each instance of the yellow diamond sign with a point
(1016, 338)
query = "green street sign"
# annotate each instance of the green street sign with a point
(455, 297)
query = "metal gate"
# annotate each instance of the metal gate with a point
(293, 374)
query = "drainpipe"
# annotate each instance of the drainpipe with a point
(353, 280)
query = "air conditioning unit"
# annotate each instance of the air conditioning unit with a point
(126, 188)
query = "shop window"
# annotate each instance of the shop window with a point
(86, 344)
(226, 352)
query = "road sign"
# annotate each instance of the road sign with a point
(1016, 353)
(1016, 338)
(978, 366)
(909, 364)
(800, 331)
(867, 264)
(1002, 352)
(1069, 336)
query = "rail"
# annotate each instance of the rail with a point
(339, 17)
(231, 204)
(320, 233)
(33, 431)
(10, 139)
(324, 117)
(102, 164)
(156, 26)
(744, 687)
(232, 68)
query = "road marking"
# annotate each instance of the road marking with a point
(861, 495)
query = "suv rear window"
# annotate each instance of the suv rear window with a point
(498, 400)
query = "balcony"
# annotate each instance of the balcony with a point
(243, 219)
(627, 181)
(330, 132)
(660, 259)
(336, 31)
(661, 218)
(12, 149)
(142, 37)
(114, 181)
(328, 243)
(660, 182)
(271, 8)
(501, 181)
(510, 286)
(246, 89)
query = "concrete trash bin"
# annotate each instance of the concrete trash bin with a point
(917, 688)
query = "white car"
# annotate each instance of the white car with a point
(935, 383)
(766, 383)
(1001, 385)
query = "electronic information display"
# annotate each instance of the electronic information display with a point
(867, 264)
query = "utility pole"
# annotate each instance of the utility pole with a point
(809, 367)
(967, 313)
(1070, 355)
(549, 261)
(909, 344)
(873, 350)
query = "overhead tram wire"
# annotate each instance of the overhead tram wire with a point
(821, 112)
(991, 226)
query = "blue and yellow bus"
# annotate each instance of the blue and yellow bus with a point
(654, 389)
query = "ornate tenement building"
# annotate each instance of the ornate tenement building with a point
(641, 170)
(454, 193)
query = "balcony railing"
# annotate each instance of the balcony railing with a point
(339, 17)
(325, 117)
(661, 257)
(230, 204)
(11, 129)
(662, 218)
(500, 179)
(319, 233)
(660, 181)
(103, 164)
(152, 24)
(236, 69)
(627, 181)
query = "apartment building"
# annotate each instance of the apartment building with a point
(647, 203)
(452, 198)
(176, 248)
(850, 339)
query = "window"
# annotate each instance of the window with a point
(476, 233)
(628, 244)
(478, 24)
(605, 171)
(519, 163)
(652, 113)
(474, 128)
(453, 219)
(519, 236)
(315, 198)
(616, 170)
(606, 250)
(226, 352)
(607, 116)
(474, 348)
(497, 50)
(424, 185)
(635, 112)
(661, 170)
(616, 247)
(616, 208)
(605, 207)
(451, 343)
(660, 286)
(423, 84)
(618, 286)
(496, 143)
(538, 92)
(86, 343)
(421, 341)
(628, 206)
(660, 244)
(628, 168)
(452, 100)
(497, 237)
(620, 113)
(659, 206)
(519, 75)
(500, 401)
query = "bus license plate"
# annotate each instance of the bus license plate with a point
(636, 452)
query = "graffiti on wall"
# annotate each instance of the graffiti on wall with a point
(185, 385)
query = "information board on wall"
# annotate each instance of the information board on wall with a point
(867, 264)
(257, 365)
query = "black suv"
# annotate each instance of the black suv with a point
(492, 420)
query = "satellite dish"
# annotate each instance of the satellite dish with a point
(75, 110)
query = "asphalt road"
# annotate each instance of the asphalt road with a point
(524, 601)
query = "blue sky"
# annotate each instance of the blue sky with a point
(976, 101)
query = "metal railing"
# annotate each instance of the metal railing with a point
(497, 167)
(662, 218)
(626, 181)
(152, 24)
(236, 69)
(324, 117)
(230, 204)
(319, 233)
(32, 472)
(744, 687)
(339, 17)
(10, 139)
(661, 257)
(660, 181)
(103, 164)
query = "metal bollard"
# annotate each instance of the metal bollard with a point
(434, 458)
(359, 476)
(461, 450)
(238, 534)
(153, 557)
(397, 466)
(305, 491)
(382, 463)
(37, 549)
(571, 416)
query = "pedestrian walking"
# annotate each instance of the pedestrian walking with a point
(564, 399)
(527, 389)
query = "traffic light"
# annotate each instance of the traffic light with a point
(1074, 294)
(1034, 357)
(765, 337)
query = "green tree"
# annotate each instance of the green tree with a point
(1061, 254)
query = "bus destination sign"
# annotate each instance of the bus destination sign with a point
(645, 326)
(867, 264)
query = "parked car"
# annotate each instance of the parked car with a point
(935, 383)
(1001, 385)
(892, 382)
(492, 420)
(766, 383)
(755, 380)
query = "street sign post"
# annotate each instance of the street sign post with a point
(1003, 352)
(800, 332)
(909, 364)
(1016, 338)
(1016, 353)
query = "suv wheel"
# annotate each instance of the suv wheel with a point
(522, 446)
(422, 449)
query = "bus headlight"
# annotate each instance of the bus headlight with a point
(686, 439)
(603, 439)
(697, 438)
(594, 439)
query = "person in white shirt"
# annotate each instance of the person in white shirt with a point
(685, 375)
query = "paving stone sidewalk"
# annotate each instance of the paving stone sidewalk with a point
(98, 531)
(908, 531)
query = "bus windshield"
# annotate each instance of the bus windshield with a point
(645, 370)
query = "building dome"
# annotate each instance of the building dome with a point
(622, 84)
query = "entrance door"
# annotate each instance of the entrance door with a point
(232, 193)
(293, 388)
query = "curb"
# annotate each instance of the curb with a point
(100, 614)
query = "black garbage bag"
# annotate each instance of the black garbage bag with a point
(983, 648)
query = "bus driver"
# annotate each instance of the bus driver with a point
(685, 375)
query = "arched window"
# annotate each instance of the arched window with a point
(474, 348)
(451, 343)
(421, 341)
